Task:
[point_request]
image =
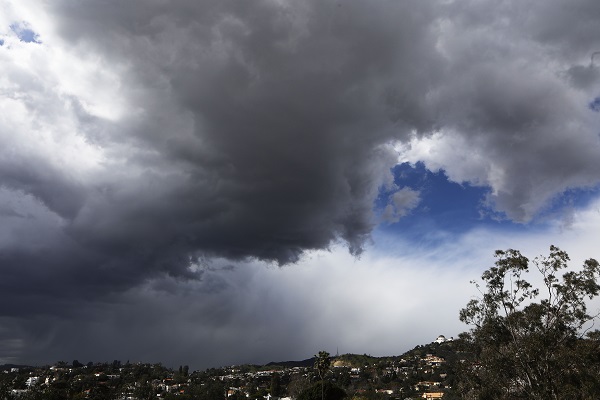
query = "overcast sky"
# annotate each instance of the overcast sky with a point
(220, 182)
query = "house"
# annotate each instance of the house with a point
(427, 385)
(433, 395)
(32, 380)
(434, 360)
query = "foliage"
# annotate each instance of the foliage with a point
(529, 342)
(322, 390)
(275, 385)
(322, 365)
(143, 381)
(208, 391)
(298, 383)
(360, 360)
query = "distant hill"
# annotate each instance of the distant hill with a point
(358, 360)
(8, 367)
(291, 364)
(348, 360)
(446, 350)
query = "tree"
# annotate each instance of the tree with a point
(530, 343)
(298, 383)
(275, 385)
(143, 391)
(210, 390)
(327, 391)
(322, 364)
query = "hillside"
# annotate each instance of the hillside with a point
(424, 369)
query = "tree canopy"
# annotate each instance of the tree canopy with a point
(322, 365)
(533, 342)
(320, 390)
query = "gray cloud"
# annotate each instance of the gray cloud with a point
(255, 315)
(401, 203)
(583, 77)
(141, 138)
(513, 114)
(247, 131)
(285, 110)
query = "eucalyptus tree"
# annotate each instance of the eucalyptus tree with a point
(533, 342)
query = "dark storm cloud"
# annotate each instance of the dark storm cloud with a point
(286, 110)
(243, 130)
(156, 136)
(584, 76)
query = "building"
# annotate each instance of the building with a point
(433, 395)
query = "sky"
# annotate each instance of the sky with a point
(225, 182)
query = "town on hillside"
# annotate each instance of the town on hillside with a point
(425, 372)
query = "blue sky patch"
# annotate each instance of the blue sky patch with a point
(446, 208)
(24, 33)
(1, 42)
(595, 104)
(568, 201)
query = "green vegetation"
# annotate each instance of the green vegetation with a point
(319, 391)
(358, 360)
(529, 342)
(322, 365)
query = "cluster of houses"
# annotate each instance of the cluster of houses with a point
(391, 377)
